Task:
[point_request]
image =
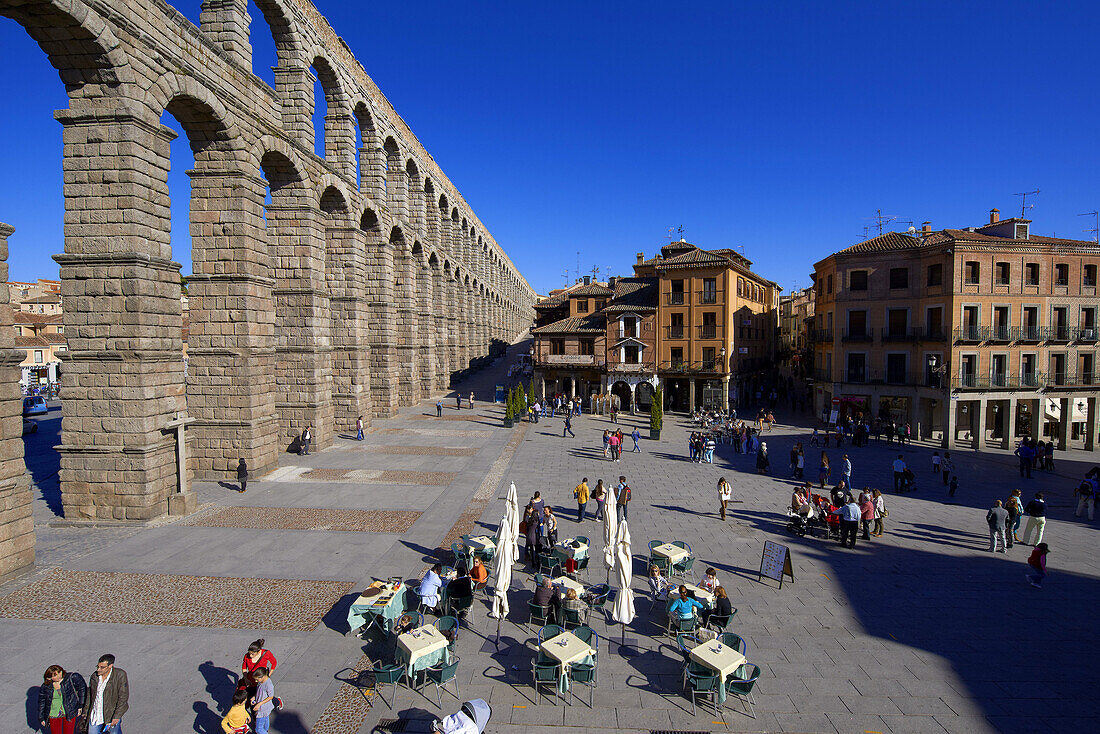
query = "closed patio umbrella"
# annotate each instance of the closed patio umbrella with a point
(623, 609)
(609, 537)
(506, 556)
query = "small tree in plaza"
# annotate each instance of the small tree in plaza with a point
(656, 413)
(509, 409)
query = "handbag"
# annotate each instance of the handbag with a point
(523, 526)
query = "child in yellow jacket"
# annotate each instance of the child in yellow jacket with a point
(236, 721)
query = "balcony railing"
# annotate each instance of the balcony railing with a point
(675, 298)
(1059, 333)
(822, 335)
(1000, 333)
(568, 360)
(676, 332)
(1086, 334)
(1063, 380)
(1029, 333)
(969, 334)
(930, 335)
(632, 367)
(707, 297)
(709, 331)
(880, 377)
(899, 335)
(685, 367)
(857, 335)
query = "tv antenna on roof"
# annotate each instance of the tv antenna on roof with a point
(1023, 202)
(880, 220)
(595, 272)
(1095, 231)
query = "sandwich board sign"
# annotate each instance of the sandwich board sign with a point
(775, 562)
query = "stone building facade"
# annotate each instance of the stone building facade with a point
(974, 336)
(364, 283)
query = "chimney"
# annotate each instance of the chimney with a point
(926, 228)
(994, 216)
(587, 279)
(611, 282)
(641, 257)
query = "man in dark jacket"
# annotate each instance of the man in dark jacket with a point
(997, 517)
(108, 698)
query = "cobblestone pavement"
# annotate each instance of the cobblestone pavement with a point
(921, 630)
(363, 521)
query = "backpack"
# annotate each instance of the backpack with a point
(624, 494)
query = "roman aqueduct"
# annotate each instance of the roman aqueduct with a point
(324, 288)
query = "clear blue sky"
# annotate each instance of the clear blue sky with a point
(595, 127)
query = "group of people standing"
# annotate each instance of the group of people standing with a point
(613, 443)
(1035, 455)
(67, 703)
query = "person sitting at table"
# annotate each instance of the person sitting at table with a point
(683, 607)
(572, 602)
(479, 574)
(547, 595)
(430, 586)
(658, 584)
(710, 580)
(460, 586)
(722, 606)
(405, 623)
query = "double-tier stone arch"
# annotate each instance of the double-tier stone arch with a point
(293, 307)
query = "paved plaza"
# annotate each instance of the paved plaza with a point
(921, 630)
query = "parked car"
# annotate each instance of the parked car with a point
(29, 426)
(35, 405)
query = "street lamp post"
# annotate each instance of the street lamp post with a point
(941, 372)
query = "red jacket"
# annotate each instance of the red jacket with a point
(1038, 560)
(266, 660)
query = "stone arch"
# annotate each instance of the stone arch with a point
(333, 201)
(87, 55)
(284, 157)
(368, 222)
(284, 31)
(415, 193)
(208, 124)
(338, 133)
(371, 164)
(396, 182)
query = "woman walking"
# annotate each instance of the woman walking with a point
(1015, 507)
(60, 700)
(725, 492)
(823, 470)
(880, 513)
(599, 493)
(762, 459)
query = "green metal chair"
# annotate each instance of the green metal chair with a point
(388, 675)
(729, 639)
(549, 631)
(719, 622)
(573, 618)
(458, 605)
(539, 614)
(545, 675)
(588, 636)
(440, 676)
(705, 686)
(585, 674)
(683, 568)
(741, 684)
(451, 625)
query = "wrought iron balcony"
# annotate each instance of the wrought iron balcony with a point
(709, 331)
(675, 298)
(998, 381)
(707, 297)
(1059, 333)
(930, 335)
(857, 335)
(969, 334)
(1086, 334)
(1069, 380)
(899, 335)
(822, 335)
(1000, 333)
(677, 331)
(1030, 333)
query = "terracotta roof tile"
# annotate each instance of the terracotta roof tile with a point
(24, 342)
(593, 323)
(883, 243)
(634, 294)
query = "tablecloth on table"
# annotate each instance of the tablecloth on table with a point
(574, 650)
(423, 647)
(565, 550)
(386, 607)
(673, 553)
(720, 658)
(564, 582)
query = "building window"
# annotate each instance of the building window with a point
(1003, 273)
(899, 277)
(857, 280)
(1061, 274)
(935, 274)
(1089, 278)
(973, 272)
(557, 346)
(600, 303)
(897, 320)
(829, 284)
(677, 298)
(1031, 274)
(676, 356)
(741, 287)
(709, 329)
(628, 327)
(676, 330)
(710, 290)
(933, 322)
(582, 305)
(38, 356)
(709, 361)
(588, 346)
(896, 368)
(632, 354)
(857, 368)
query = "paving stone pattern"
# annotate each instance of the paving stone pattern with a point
(312, 518)
(376, 476)
(426, 450)
(184, 601)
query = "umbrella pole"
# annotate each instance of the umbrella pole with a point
(497, 642)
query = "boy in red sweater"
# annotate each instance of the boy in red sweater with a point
(1038, 563)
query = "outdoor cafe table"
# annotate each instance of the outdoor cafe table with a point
(567, 649)
(565, 550)
(564, 582)
(673, 553)
(720, 658)
(421, 648)
(480, 545)
(702, 596)
(382, 609)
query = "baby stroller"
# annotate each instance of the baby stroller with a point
(908, 481)
(472, 718)
(826, 524)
